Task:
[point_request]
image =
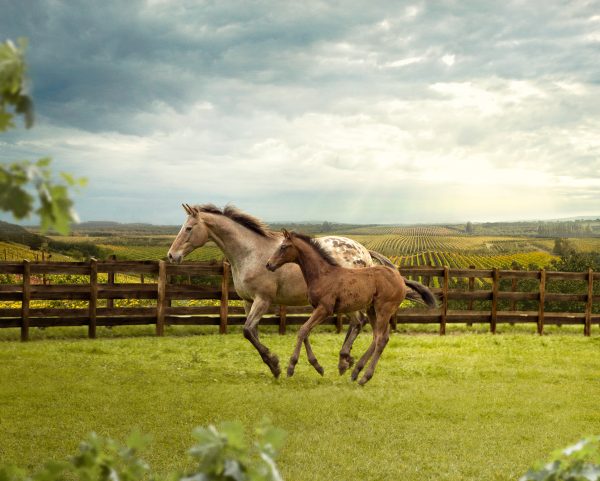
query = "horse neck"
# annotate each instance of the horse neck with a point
(311, 263)
(237, 242)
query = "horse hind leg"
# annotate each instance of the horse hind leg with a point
(357, 321)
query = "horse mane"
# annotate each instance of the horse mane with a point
(246, 220)
(311, 241)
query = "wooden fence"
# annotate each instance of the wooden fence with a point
(164, 286)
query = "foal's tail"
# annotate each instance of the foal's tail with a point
(417, 291)
(422, 291)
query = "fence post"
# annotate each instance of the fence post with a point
(444, 301)
(471, 289)
(282, 319)
(224, 308)
(540, 323)
(587, 330)
(110, 303)
(161, 298)
(25, 300)
(93, 298)
(495, 286)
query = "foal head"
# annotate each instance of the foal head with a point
(287, 252)
(193, 234)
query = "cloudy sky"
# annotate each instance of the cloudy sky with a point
(369, 112)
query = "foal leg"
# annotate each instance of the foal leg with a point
(259, 308)
(369, 352)
(357, 321)
(381, 336)
(317, 316)
(362, 361)
(312, 358)
(380, 343)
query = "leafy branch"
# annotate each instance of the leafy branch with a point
(580, 462)
(19, 179)
(221, 454)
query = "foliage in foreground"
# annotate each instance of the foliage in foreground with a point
(580, 462)
(220, 455)
(224, 455)
(16, 179)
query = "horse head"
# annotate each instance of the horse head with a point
(193, 234)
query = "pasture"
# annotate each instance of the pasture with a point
(468, 407)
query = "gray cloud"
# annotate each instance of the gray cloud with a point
(258, 99)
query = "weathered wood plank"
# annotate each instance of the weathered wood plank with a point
(224, 305)
(93, 298)
(542, 301)
(161, 302)
(25, 301)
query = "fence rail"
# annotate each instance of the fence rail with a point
(162, 286)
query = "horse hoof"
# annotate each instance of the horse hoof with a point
(320, 370)
(342, 368)
(354, 375)
(290, 371)
(274, 366)
(364, 380)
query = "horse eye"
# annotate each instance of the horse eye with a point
(188, 229)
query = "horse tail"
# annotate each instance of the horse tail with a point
(422, 291)
(383, 260)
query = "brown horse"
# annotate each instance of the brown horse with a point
(335, 289)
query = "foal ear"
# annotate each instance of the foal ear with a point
(286, 234)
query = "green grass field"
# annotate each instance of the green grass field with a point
(468, 407)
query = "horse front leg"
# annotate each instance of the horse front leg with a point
(259, 307)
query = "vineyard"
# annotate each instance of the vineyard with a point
(10, 251)
(140, 252)
(435, 246)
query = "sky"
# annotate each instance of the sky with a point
(353, 111)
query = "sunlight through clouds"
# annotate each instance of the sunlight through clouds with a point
(396, 113)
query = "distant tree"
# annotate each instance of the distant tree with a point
(326, 227)
(18, 179)
(469, 228)
(563, 247)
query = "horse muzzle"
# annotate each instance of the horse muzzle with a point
(175, 258)
(271, 267)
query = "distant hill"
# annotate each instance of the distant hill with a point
(20, 235)
(16, 233)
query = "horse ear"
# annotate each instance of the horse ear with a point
(286, 234)
(186, 208)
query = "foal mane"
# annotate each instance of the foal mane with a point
(311, 241)
(246, 220)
